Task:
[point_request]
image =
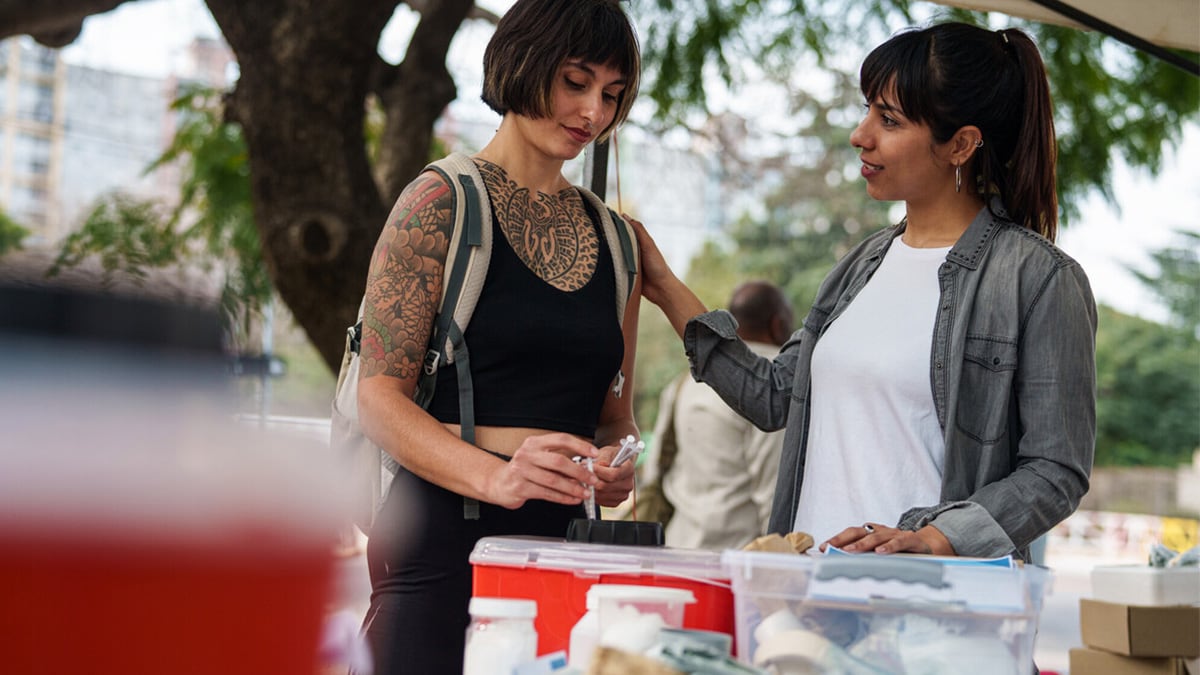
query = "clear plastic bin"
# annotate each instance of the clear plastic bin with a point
(871, 614)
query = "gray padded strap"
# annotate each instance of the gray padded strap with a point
(466, 390)
(621, 245)
(471, 252)
(441, 344)
(466, 405)
(628, 249)
(473, 239)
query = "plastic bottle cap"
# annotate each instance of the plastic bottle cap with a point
(503, 608)
(591, 600)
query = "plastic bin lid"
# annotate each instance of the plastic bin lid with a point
(548, 553)
(985, 585)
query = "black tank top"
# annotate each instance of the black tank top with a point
(540, 357)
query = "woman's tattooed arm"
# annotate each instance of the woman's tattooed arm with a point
(404, 284)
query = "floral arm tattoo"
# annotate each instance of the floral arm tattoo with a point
(404, 284)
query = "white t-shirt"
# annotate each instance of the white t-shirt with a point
(875, 448)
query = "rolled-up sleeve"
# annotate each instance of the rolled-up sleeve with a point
(756, 387)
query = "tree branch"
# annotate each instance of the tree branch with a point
(416, 92)
(54, 23)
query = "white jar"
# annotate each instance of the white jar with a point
(501, 636)
(585, 635)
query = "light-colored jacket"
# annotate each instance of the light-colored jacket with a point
(723, 478)
(1012, 371)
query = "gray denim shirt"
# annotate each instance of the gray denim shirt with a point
(1012, 371)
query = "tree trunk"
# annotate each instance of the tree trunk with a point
(306, 69)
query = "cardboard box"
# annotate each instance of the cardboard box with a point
(1145, 585)
(1136, 630)
(1096, 662)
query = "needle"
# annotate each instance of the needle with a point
(590, 505)
(630, 447)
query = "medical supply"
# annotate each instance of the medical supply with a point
(585, 634)
(630, 448)
(501, 636)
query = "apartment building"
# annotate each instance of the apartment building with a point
(70, 134)
(31, 134)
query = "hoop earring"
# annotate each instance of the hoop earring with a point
(958, 178)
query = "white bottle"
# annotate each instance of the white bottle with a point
(585, 635)
(501, 636)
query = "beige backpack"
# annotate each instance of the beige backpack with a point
(370, 468)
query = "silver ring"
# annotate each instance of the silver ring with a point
(869, 528)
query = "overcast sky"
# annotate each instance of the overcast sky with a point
(149, 37)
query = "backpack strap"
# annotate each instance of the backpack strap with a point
(462, 281)
(470, 247)
(622, 244)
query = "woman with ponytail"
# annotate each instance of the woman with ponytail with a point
(940, 395)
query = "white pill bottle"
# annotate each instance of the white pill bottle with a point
(585, 634)
(501, 636)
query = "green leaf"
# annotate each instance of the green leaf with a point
(212, 225)
(11, 234)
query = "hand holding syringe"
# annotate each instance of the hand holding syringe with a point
(589, 504)
(630, 447)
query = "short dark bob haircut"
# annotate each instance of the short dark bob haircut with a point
(535, 37)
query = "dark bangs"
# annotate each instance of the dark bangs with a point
(605, 38)
(904, 62)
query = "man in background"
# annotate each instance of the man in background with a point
(722, 477)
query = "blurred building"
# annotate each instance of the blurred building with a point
(69, 134)
(31, 133)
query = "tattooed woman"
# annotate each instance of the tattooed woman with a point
(546, 343)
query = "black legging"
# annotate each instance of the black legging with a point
(421, 576)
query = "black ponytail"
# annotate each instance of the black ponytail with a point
(953, 75)
(1031, 196)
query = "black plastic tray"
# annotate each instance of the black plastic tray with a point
(624, 532)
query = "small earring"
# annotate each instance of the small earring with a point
(979, 142)
(958, 178)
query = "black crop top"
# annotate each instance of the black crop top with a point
(540, 357)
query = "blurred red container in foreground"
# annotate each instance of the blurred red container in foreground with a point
(141, 529)
(133, 607)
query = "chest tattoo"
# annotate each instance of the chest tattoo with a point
(552, 234)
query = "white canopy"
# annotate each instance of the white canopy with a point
(1166, 23)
